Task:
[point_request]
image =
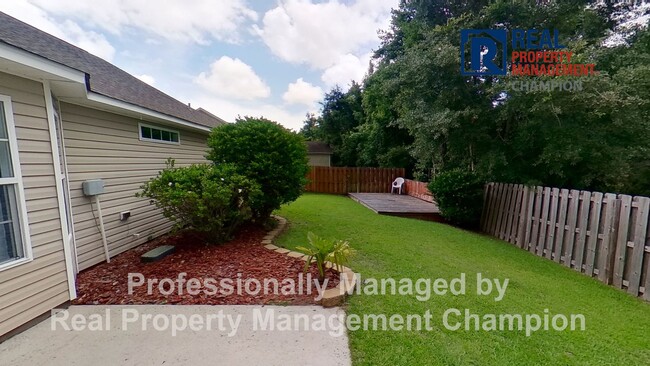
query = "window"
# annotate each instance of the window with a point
(158, 134)
(13, 226)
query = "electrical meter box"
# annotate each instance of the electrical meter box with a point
(93, 187)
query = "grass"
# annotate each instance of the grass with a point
(617, 325)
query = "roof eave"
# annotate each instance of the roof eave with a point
(112, 105)
(70, 85)
(23, 63)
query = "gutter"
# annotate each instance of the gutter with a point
(140, 112)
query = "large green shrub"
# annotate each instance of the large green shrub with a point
(267, 153)
(459, 195)
(213, 200)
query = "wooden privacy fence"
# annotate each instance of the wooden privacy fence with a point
(599, 234)
(418, 190)
(342, 180)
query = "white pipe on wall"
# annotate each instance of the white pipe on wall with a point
(101, 229)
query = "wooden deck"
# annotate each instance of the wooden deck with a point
(398, 205)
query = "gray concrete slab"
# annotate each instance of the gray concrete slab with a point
(136, 335)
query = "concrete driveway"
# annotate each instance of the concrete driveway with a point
(183, 335)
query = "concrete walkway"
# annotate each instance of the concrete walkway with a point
(183, 335)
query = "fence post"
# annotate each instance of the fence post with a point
(640, 232)
(570, 238)
(562, 217)
(621, 241)
(582, 226)
(484, 208)
(608, 254)
(543, 223)
(358, 179)
(552, 223)
(523, 218)
(594, 222)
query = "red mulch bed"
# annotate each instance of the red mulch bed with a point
(243, 257)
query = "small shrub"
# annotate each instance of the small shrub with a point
(213, 200)
(320, 250)
(459, 195)
(267, 153)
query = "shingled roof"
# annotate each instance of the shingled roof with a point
(102, 77)
(318, 147)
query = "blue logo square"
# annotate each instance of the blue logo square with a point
(485, 46)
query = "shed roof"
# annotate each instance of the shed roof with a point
(319, 147)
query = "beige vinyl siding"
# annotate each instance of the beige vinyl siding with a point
(319, 160)
(33, 288)
(103, 145)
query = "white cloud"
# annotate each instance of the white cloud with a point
(232, 78)
(230, 110)
(187, 20)
(147, 79)
(303, 93)
(335, 37)
(67, 30)
(348, 67)
(300, 31)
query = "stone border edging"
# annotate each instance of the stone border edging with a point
(331, 297)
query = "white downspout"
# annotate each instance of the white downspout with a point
(101, 229)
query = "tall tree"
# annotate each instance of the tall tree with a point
(412, 18)
(414, 109)
(311, 127)
(342, 112)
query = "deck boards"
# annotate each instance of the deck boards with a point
(397, 205)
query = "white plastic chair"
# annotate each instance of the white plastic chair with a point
(397, 184)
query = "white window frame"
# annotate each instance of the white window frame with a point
(140, 125)
(17, 182)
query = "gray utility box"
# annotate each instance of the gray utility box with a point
(93, 187)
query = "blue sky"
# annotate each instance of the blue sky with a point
(231, 57)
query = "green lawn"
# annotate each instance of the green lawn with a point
(617, 325)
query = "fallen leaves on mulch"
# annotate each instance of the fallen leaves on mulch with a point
(244, 257)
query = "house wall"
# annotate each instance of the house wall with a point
(33, 288)
(319, 160)
(102, 145)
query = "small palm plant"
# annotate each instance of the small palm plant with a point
(337, 252)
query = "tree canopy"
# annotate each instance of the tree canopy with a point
(415, 110)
